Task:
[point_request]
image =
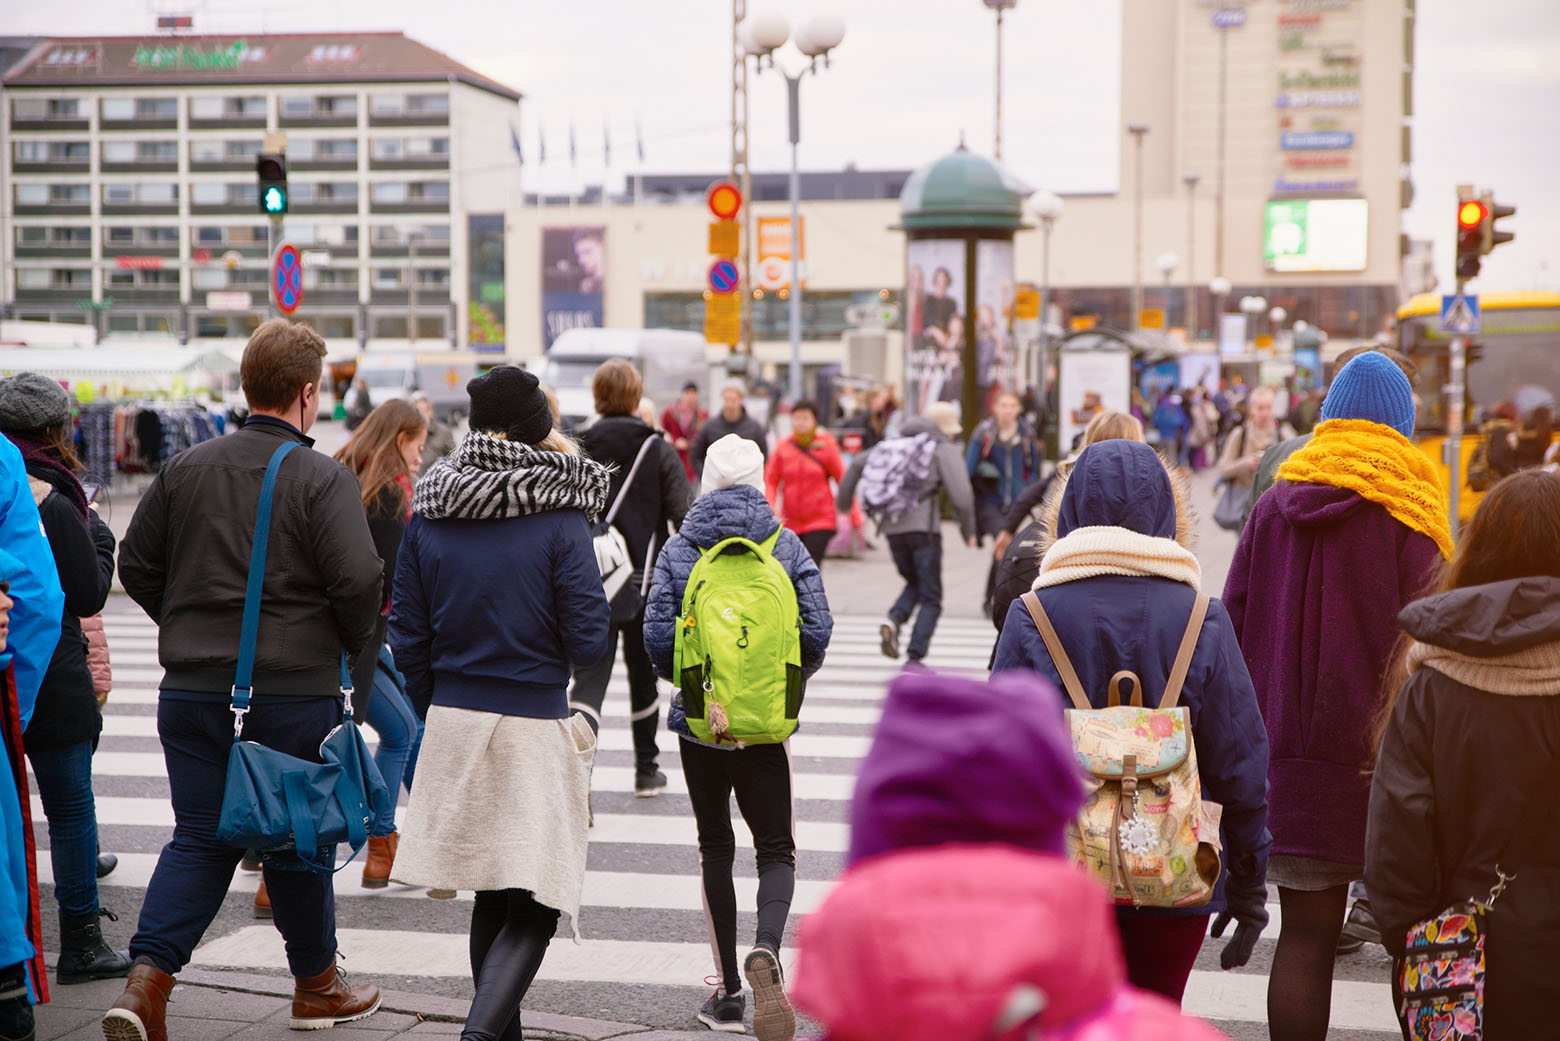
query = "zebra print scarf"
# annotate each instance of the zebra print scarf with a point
(491, 479)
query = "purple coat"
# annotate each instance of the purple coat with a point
(1314, 592)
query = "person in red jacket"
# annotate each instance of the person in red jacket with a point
(682, 420)
(797, 479)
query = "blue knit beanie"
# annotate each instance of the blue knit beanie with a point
(1373, 388)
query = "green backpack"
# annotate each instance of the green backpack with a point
(739, 645)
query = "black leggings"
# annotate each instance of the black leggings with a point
(817, 543)
(509, 936)
(1300, 985)
(644, 697)
(761, 777)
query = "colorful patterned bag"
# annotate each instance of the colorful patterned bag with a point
(1145, 829)
(1442, 974)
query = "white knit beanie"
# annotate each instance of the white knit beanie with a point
(733, 460)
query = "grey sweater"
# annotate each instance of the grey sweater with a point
(949, 477)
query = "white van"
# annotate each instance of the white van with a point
(667, 359)
(442, 375)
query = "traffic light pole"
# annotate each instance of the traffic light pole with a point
(1455, 395)
(274, 243)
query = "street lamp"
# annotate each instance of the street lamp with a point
(1167, 263)
(762, 35)
(1137, 130)
(999, 6)
(1219, 288)
(1047, 208)
(1190, 180)
(1252, 306)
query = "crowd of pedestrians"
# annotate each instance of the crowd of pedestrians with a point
(1370, 700)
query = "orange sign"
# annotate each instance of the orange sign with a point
(725, 238)
(1079, 322)
(725, 201)
(774, 252)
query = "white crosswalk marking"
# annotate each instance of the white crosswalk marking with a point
(631, 873)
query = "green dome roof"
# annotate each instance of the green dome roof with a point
(962, 190)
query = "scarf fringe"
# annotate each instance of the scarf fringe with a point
(1531, 672)
(1379, 465)
(1088, 552)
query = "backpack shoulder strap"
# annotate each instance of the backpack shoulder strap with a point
(1183, 657)
(769, 544)
(1059, 657)
(644, 449)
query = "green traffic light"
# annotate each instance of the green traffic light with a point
(275, 200)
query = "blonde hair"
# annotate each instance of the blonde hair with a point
(1113, 426)
(558, 441)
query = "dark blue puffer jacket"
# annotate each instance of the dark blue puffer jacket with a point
(1112, 622)
(720, 514)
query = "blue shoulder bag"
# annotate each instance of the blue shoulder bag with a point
(273, 801)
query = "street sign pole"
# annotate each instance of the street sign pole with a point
(1454, 419)
(274, 231)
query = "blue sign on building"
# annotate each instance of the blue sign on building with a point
(1313, 140)
(1229, 18)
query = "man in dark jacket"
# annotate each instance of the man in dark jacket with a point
(732, 418)
(185, 561)
(651, 506)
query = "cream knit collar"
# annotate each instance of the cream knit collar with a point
(1534, 671)
(1087, 552)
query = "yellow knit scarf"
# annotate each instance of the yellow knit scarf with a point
(1380, 465)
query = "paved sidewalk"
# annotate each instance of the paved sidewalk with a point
(211, 1006)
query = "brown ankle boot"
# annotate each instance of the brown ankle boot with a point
(326, 1000)
(262, 902)
(381, 858)
(140, 1014)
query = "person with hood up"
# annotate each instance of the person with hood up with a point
(497, 596)
(915, 537)
(1471, 734)
(1354, 530)
(958, 917)
(1119, 583)
(733, 504)
(732, 418)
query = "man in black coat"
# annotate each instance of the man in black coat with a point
(732, 418)
(185, 561)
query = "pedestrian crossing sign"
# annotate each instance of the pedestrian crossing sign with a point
(1460, 314)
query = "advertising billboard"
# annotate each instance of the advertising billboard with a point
(996, 358)
(934, 323)
(485, 289)
(574, 264)
(774, 252)
(1315, 235)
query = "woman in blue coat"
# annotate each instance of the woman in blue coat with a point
(1119, 587)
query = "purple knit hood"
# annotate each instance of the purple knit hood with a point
(957, 760)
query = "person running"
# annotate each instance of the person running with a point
(385, 454)
(1355, 528)
(35, 416)
(681, 421)
(732, 418)
(1471, 733)
(915, 536)
(799, 476)
(190, 579)
(497, 596)
(652, 503)
(733, 505)
(988, 928)
(1118, 583)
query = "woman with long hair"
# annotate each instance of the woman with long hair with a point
(497, 597)
(1471, 728)
(385, 454)
(35, 415)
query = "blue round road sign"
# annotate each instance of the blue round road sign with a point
(287, 279)
(724, 277)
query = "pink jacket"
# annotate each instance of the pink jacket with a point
(938, 944)
(97, 654)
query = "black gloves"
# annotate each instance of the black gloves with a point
(1249, 912)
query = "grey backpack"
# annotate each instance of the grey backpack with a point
(897, 476)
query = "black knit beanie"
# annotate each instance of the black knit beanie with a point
(509, 400)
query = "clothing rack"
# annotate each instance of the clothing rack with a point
(138, 436)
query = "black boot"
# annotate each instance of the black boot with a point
(16, 1014)
(106, 863)
(83, 954)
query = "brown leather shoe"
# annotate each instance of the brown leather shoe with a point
(262, 902)
(140, 1014)
(326, 1000)
(381, 858)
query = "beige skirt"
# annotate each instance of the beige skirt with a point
(500, 802)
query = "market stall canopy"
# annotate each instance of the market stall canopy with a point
(137, 366)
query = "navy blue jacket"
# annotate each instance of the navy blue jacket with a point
(492, 615)
(720, 514)
(1112, 622)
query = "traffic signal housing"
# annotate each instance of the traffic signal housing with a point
(1471, 215)
(271, 173)
(1494, 211)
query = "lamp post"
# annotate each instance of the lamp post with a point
(1167, 263)
(762, 35)
(999, 6)
(1047, 208)
(1218, 288)
(1137, 130)
(1190, 180)
(1252, 306)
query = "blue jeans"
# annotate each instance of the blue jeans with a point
(195, 868)
(918, 556)
(65, 787)
(400, 737)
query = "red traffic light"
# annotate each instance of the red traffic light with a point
(1470, 214)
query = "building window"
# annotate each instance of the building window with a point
(140, 151)
(52, 152)
(34, 278)
(393, 326)
(208, 193)
(46, 108)
(145, 193)
(389, 278)
(323, 193)
(308, 149)
(409, 104)
(241, 107)
(398, 193)
(124, 323)
(30, 236)
(335, 277)
(387, 193)
(57, 236)
(126, 110)
(401, 234)
(322, 234)
(392, 148)
(53, 195)
(433, 278)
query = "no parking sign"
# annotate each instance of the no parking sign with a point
(287, 279)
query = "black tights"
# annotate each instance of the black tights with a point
(509, 936)
(1300, 986)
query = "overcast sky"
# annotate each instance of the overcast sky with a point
(911, 76)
